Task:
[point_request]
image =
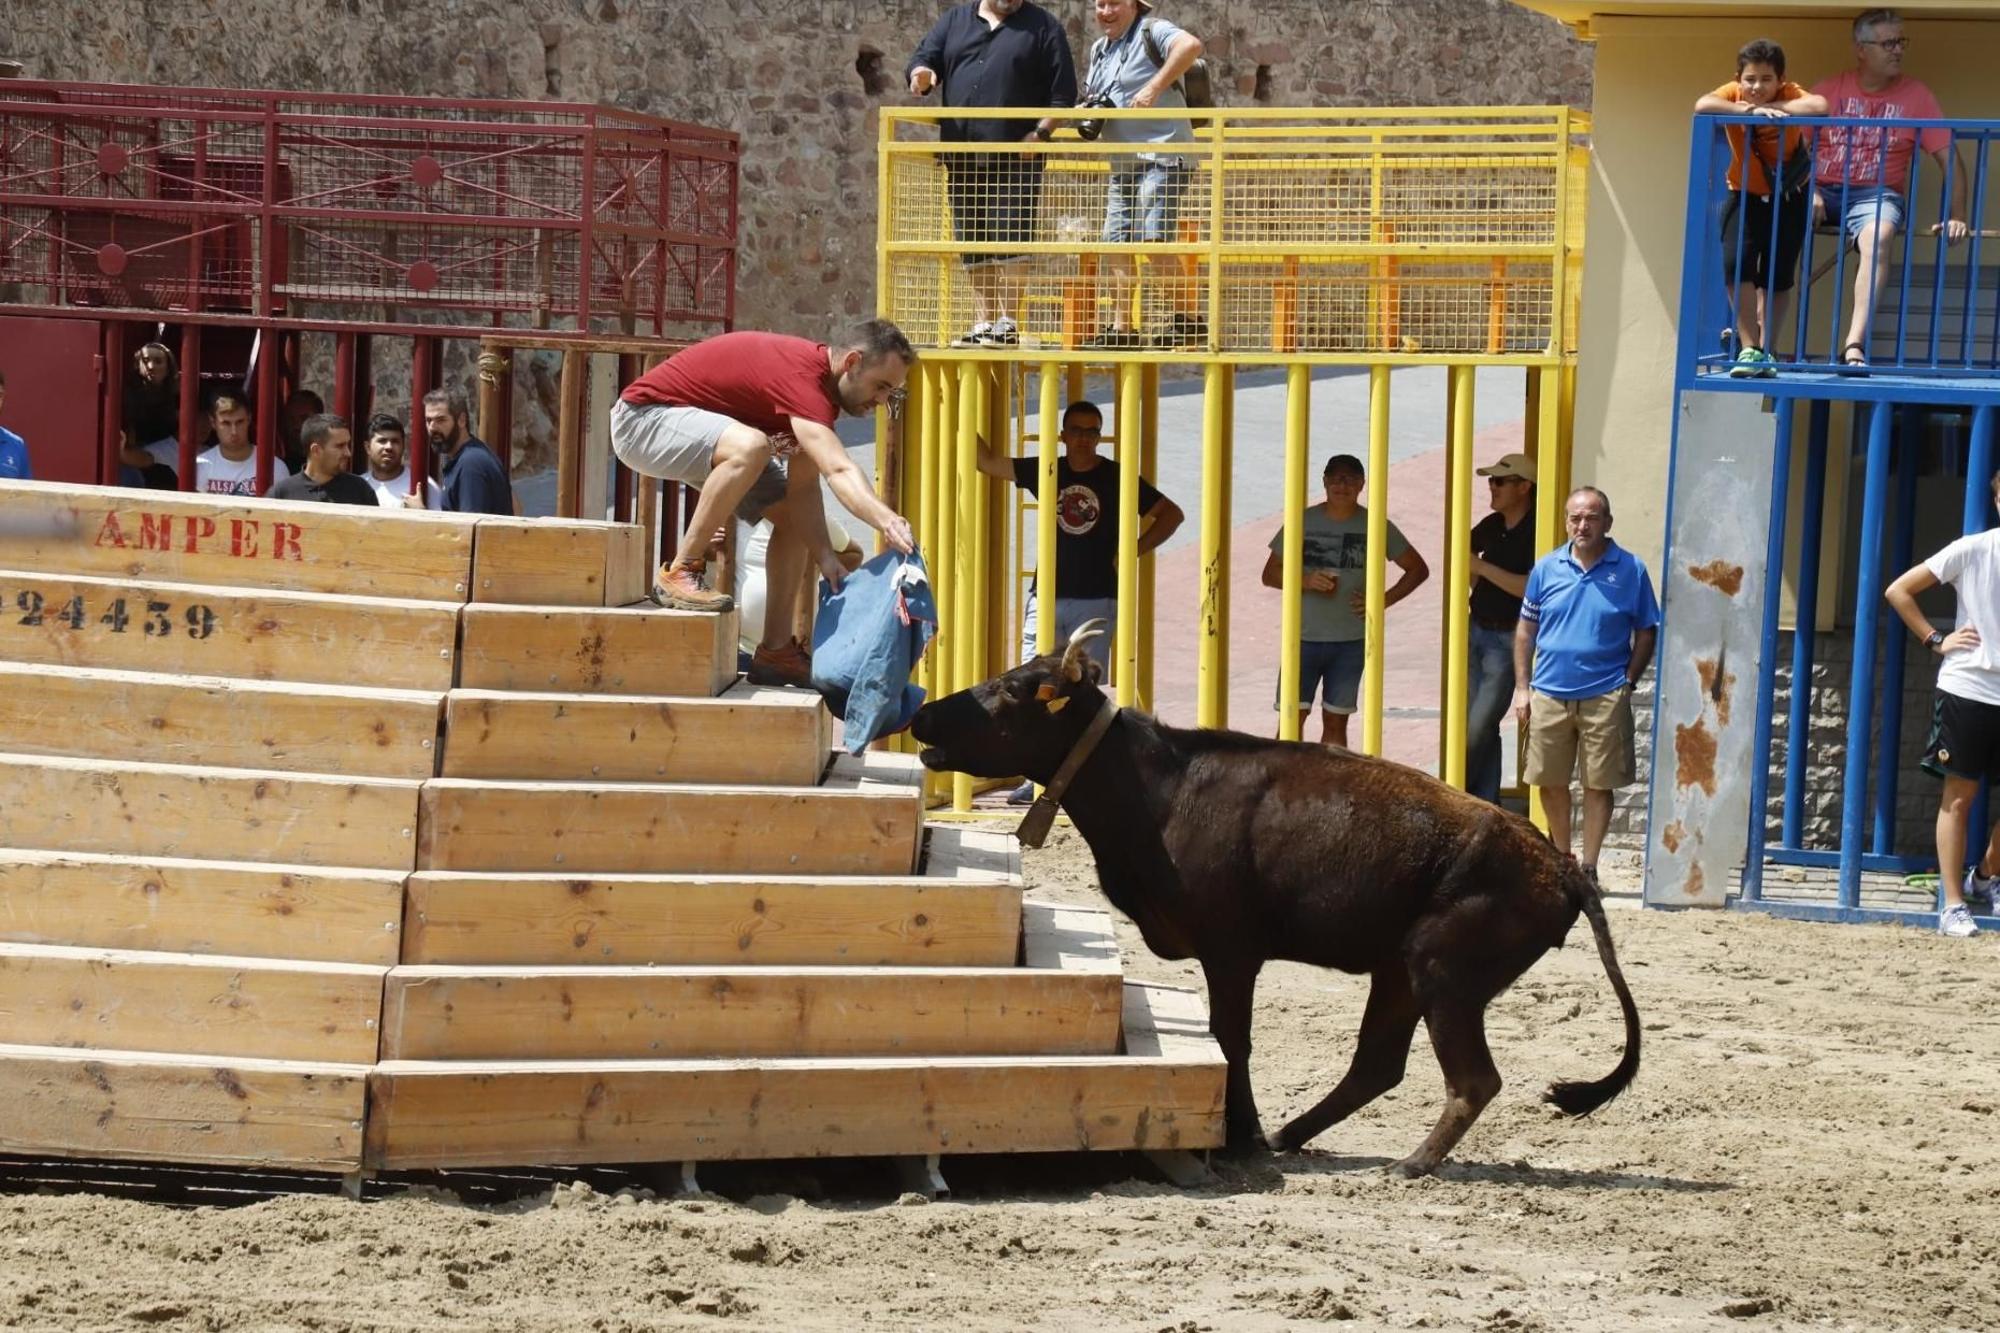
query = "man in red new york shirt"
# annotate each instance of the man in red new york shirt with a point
(1862, 176)
(747, 419)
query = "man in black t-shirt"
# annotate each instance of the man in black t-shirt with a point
(990, 54)
(325, 478)
(1087, 509)
(1503, 551)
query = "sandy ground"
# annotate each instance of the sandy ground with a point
(1810, 1144)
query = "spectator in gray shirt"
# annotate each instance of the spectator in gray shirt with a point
(1138, 63)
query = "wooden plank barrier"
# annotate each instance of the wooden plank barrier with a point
(190, 1004)
(1165, 1092)
(114, 532)
(182, 1108)
(608, 650)
(963, 910)
(553, 562)
(223, 723)
(750, 734)
(174, 905)
(1065, 1002)
(126, 808)
(209, 630)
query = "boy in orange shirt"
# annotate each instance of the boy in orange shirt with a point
(1766, 271)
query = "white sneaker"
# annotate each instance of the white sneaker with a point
(1956, 921)
(975, 336)
(1979, 888)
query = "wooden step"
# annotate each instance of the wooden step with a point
(1065, 1001)
(189, 1004)
(751, 733)
(304, 1116)
(608, 650)
(556, 562)
(128, 808)
(863, 820)
(203, 629)
(205, 720)
(170, 905)
(963, 909)
(1165, 1091)
(264, 544)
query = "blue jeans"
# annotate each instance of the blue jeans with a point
(1490, 686)
(1143, 201)
(1070, 613)
(1867, 206)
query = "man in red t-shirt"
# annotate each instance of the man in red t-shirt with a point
(1862, 176)
(747, 419)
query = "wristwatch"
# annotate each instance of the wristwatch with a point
(1934, 640)
(1043, 132)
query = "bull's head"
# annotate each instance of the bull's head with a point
(1019, 723)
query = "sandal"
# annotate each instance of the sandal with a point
(1854, 358)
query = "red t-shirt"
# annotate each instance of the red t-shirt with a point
(1905, 98)
(760, 379)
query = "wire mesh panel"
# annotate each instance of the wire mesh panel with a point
(449, 214)
(1348, 234)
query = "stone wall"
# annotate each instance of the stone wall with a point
(799, 79)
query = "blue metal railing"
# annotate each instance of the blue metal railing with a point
(1937, 315)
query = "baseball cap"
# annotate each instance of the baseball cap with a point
(1511, 465)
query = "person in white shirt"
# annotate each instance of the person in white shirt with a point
(229, 466)
(389, 467)
(1964, 742)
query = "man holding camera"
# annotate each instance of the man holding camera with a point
(995, 53)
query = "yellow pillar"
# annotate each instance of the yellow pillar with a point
(1228, 510)
(964, 554)
(940, 460)
(1149, 466)
(1549, 497)
(1045, 506)
(1458, 534)
(1125, 653)
(1073, 382)
(1298, 425)
(995, 655)
(1378, 545)
(1211, 666)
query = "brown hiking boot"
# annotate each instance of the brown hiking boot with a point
(789, 665)
(679, 586)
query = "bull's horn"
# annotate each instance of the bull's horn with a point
(1072, 662)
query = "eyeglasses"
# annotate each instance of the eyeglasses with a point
(1506, 481)
(1890, 44)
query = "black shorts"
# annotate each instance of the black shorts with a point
(1964, 740)
(1751, 215)
(995, 199)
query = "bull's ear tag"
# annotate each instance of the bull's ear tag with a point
(1046, 695)
(1057, 705)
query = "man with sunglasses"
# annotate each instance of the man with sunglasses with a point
(1861, 178)
(1589, 622)
(1503, 551)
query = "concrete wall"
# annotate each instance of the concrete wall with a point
(1649, 72)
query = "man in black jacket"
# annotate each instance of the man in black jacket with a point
(995, 53)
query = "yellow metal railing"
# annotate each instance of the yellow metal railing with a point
(1405, 235)
(1385, 238)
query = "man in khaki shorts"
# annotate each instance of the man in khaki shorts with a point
(747, 419)
(1588, 624)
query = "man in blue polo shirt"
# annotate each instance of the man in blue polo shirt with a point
(13, 449)
(1588, 624)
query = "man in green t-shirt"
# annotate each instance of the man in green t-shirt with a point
(1333, 629)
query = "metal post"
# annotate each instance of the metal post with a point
(1298, 424)
(1805, 624)
(1767, 652)
(268, 370)
(1049, 445)
(1377, 583)
(1126, 651)
(343, 382)
(570, 393)
(1977, 518)
(423, 372)
(1149, 466)
(1889, 757)
(190, 427)
(965, 553)
(1457, 615)
(1228, 508)
(1211, 668)
(1549, 497)
(112, 443)
(1861, 681)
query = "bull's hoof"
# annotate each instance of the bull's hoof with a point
(1245, 1143)
(1411, 1167)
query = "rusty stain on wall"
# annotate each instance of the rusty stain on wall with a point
(1696, 881)
(1694, 757)
(1671, 835)
(1717, 691)
(1725, 578)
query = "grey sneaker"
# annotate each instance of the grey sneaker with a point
(976, 336)
(1002, 332)
(1956, 921)
(1022, 795)
(1979, 888)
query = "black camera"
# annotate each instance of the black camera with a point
(1088, 130)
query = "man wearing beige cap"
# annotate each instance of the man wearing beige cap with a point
(1503, 551)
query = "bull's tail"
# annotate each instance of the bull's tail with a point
(1583, 1098)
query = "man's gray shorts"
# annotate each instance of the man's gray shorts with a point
(678, 444)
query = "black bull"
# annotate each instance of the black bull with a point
(1235, 850)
